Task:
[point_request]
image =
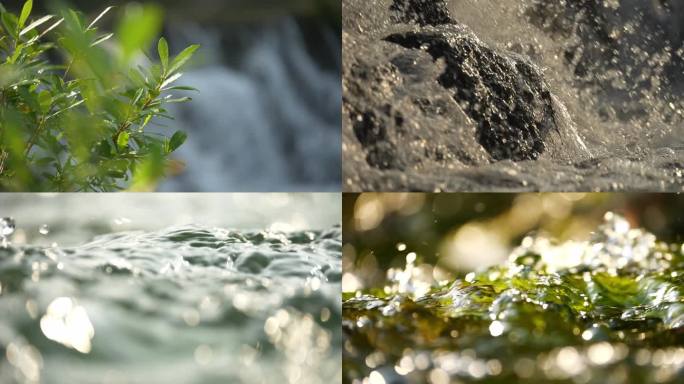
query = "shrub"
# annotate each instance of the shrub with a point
(74, 109)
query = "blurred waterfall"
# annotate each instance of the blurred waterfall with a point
(269, 122)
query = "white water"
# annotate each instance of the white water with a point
(269, 124)
(641, 59)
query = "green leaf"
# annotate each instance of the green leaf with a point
(138, 28)
(122, 140)
(25, 13)
(104, 149)
(170, 80)
(9, 22)
(35, 24)
(147, 121)
(137, 77)
(163, 48)
(45, 101)
(177, 100)
(53, 26)
(58, 120)
(151, 169)
(183, 58)
(138, 96)
(102, 39)
(177, 140)
(101, 15)
(182, 88)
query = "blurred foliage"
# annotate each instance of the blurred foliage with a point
(430, 225)
(75, 101)
(222, 12)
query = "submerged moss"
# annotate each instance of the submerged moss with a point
(610, 309)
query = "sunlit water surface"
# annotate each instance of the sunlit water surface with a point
(616, 67)
(189, 303)
(608, 309)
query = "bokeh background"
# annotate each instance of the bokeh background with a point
(74, 218)
(268, 112)
(452, 234)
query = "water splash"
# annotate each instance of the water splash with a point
(613, 247)
(284, 111)
(410, 281)
(614, 69)
(7, 227)
(207, 304)
(554, 311)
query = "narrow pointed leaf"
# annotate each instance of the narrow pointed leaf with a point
(35, 24)
(177, 140)
(178, 100)
(171, 80)
(25, 13)
(122, 140)
(182, 88)
(183, 58)
(53, 26)
(102, 39)
(101, 15)
(163, 48)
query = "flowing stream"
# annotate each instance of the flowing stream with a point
(268, 111)
(155, 301)
(613, 67)
(607, 309)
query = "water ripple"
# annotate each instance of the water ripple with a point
(183, 304)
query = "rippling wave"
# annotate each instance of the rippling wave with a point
(187, 304)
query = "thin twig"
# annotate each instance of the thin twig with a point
(3, 158)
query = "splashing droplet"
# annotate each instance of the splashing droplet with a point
(496, 328)
(6, 226)
(6, 229)
(44, 229)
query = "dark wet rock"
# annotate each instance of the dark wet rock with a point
(423, 92)
(423, 12)
(429, 105)
(397, 121)
(504, 94)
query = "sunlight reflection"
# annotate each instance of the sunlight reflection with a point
(67, 323)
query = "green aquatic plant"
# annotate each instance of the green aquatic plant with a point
(610, 309)
(75, 102)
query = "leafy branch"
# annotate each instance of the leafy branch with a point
(74, 113)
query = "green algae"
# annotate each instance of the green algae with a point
(610, 309)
